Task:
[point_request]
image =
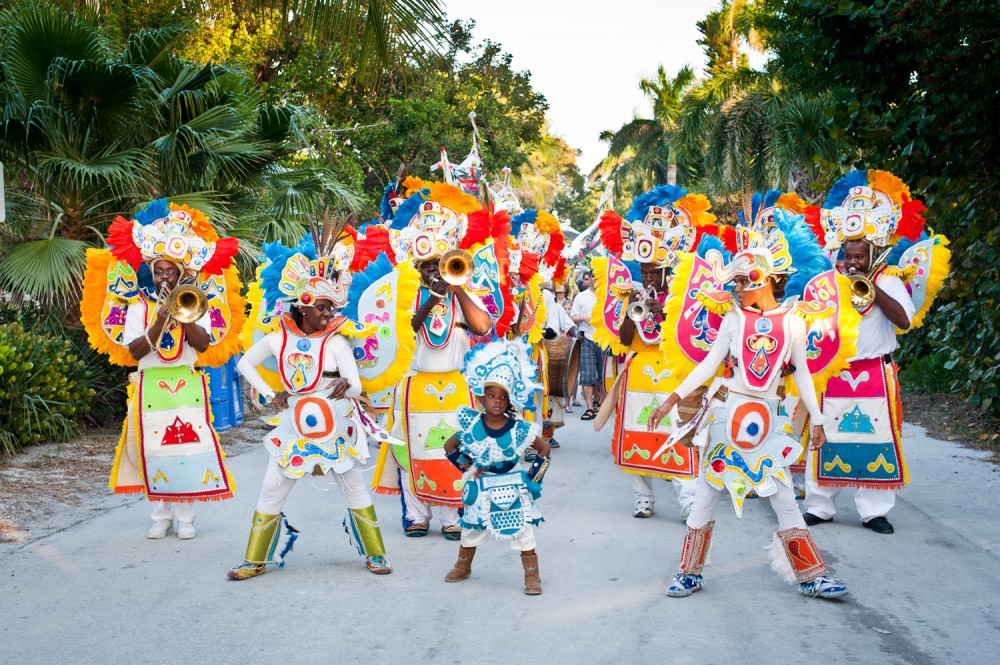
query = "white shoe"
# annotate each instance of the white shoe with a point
(643, 507)
(160, 529)
(185, 530)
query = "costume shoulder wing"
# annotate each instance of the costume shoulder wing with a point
(490, 283)
(227, 313)
(109, 286)
(534, 311)
(693, 313)
(613, 283)
(928, 263)
(831, 325)
(380, 304)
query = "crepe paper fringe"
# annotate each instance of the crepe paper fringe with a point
(779, 560)
(939, 269)
(219, 353)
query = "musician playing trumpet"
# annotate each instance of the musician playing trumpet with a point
(166, 276)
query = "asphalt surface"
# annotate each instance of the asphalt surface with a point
(97, 591)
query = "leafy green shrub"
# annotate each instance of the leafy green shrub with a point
(926, 374)
(41, 397)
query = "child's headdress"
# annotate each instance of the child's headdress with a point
(504, 364)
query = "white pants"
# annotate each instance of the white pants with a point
(822, 501)
(276, 486)
(415, 510)
(523, 543)
(163, 510)
(642, 488)
(782, 502)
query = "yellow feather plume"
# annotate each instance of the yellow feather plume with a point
(696, 206)
(604, 337)
(791, 202)
(447, 195)
(546, 223)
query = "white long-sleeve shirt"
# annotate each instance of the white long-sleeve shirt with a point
(135, 327)
(337, 357)
(729, 342)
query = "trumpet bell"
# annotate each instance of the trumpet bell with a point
(187, 303)
(862, 292)
(637, 311)
(456, 267)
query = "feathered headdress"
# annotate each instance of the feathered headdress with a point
(872, 205)
(661, 222)
(504, 364)
(432, 220)
(759, 210)
(539, 232)
(319, 266)
(175, 233)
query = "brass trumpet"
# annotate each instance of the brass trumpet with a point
(456, 267)
(862, 292)
(639, 310)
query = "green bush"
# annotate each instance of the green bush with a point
(41, 396)
(925, 374)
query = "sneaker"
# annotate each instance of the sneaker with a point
(643, 507)
(452, 532)
(246, 570)
(553, 443)
(685, 585)
(416, 530)
(378, 565)
(185, 530)
(530, 454)
(160, 529)
(879, 525)
(823, 587)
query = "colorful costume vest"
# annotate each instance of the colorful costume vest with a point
(440, 322)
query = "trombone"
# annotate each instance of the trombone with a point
(186, 303)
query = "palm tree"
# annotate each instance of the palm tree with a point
(87, 134)
(644, 151)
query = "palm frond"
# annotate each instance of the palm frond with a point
(48, 270)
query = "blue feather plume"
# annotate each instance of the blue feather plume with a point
(276, 255)
(520, 219)
(658, 196)
(385, 208)
(154, 210)
(839, 191)
(710, 242)
(900, 247)
(807, 256)
(408, 208)
(377, 269)
(758, 202)
(635, 270)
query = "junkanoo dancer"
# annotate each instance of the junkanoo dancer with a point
(872, 225)
(499, 497)
(427, 225)
(168, 448)
(628, 319)
(748, 441)
(319, 328)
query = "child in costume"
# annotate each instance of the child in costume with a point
(499, 497)
(427, 225)
(168, 449)
(318, 350)
(631, 287)
(898, 269)
(748, 439)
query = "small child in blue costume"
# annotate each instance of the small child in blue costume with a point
(499, 496)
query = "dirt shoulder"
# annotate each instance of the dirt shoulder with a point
(949, 418)
(52, 486)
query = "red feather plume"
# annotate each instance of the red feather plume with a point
(812, 219)
(481, 223)
(222, 257)
(559, 276)
(610, 228)
(367, 249)
(913, 221)
(728, 237)
(120, 241)
(529, 266)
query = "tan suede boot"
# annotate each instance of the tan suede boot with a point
(463, 567)
(532, 582)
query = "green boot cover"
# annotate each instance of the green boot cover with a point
(263, 538)
(361, 525)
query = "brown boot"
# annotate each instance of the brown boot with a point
(532, 583)
(463, 567)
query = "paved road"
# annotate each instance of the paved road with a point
(99, 592)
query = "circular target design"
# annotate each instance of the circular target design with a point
(385, 332)
(380, 303)
(645, 249)
(762, 326)
(313, 418)
(176, 246)
(423, 246)
(749, 425)
(442, 246)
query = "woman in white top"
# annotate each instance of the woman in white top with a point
(748, 440)
(321, 429)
